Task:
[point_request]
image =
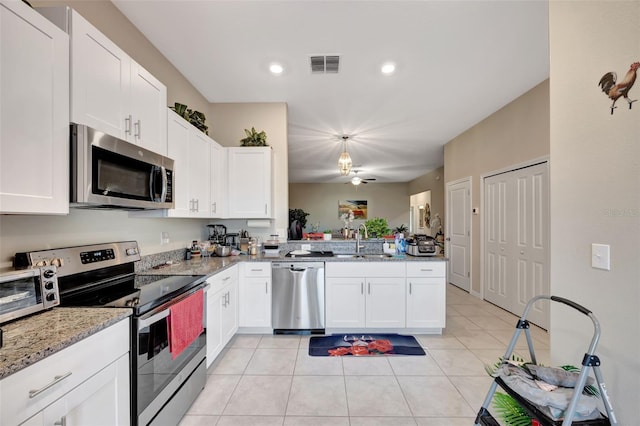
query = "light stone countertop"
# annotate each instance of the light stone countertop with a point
(212, 265)
(30, 339)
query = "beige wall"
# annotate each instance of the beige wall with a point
(227, 124)
(515, 134)
(112, 23)
(595, 191)
(386, 200)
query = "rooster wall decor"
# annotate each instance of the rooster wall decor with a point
(615, 90)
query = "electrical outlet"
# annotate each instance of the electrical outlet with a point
(164, 238)
(305, 247)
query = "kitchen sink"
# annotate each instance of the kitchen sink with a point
(361, 256)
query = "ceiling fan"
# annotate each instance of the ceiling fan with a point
(357, 180)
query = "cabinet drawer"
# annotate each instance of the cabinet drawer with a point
(257, 269)
(223, 278)
(427, 269)
(63, 371)
(365, 269)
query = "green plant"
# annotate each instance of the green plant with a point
(254, 138)
(377, 225)
(327, 231)
(400, 229)
(196, 118)
(510, 411)
(299, 215)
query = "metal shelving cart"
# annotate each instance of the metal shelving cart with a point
(589, 362)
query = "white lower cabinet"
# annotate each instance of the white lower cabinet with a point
(365, 294)
(255, 295)
(222, 311)
(86, 383)
(426, 294)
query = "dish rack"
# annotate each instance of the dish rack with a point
(589, 362)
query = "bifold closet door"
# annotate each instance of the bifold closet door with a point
(516, 240)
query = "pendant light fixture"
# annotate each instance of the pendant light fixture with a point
(344, 162)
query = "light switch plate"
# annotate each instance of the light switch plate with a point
(600, 256)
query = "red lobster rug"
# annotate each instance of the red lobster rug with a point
(364, 345)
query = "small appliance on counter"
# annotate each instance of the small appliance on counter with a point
(27, 291)
(271, 247)
(422, 245)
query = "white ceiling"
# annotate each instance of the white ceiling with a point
(457, 62)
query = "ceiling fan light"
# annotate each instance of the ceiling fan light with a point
(345, 163)
(356, 180)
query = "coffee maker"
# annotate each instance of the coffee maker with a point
(217, 234)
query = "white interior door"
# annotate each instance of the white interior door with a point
(516, 240)
(459, 233)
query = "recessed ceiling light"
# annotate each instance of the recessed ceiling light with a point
(276, 69)
(388, 68)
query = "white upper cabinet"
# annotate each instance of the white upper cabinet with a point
(109, 91)
(218, 181)
(249, 186)
(34, 113)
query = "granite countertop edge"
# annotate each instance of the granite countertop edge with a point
(33, 338)
(209, 266)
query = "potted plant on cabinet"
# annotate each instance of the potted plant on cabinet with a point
(327, 234)
(254, 138)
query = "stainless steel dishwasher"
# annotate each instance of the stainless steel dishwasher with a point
(298, 297)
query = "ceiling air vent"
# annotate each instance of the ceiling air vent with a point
(325, 64)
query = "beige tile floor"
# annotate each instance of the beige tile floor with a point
(271, 380)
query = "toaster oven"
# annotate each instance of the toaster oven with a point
(27, 291)
(422, 245)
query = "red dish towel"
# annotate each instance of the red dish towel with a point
(185, 323)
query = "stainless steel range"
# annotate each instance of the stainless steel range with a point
(163, 384)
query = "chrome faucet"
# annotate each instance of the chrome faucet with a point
(366, 236)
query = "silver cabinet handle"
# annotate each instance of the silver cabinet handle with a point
(369, 288)
(127, 125)
(214, 208)
(410, 285)
(61, 422)
(138, 127)
(265, 208)
(56, 380)
(197, 205)
(266, 287)
(426, 270)
(226, 278)
(361, 288)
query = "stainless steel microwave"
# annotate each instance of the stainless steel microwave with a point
(27, 291)
(107, 172)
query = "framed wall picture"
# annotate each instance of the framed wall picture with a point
(358, 207)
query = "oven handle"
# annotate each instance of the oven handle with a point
(163, 310)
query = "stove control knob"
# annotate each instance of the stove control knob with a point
(48, 273)
(57, 262)
(51, 297)
(48, 285)
(41, 263)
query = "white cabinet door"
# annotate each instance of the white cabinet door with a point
(109, 91)
(345, 302)
(218, 181)
(34, 113)
(149, 110)
(385, 302)
(100, 80)
(255, 302)
(199, 172)
(214, 330)
(426, 294)
(255, 295)
(178, 149)
(249, 182)
(102, 400)
(229, 318)
(425, 302)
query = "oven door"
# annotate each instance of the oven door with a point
(157, 375)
